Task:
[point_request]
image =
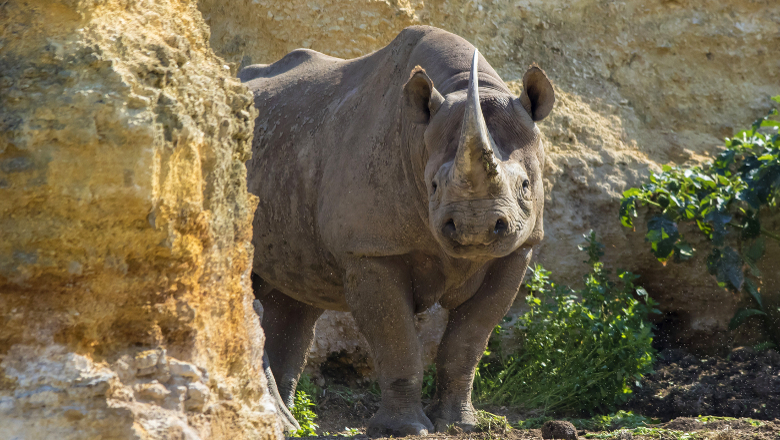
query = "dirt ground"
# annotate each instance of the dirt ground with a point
(740, 393)
(683, 428)
(744, 384)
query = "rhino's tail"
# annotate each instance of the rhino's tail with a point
(289, 422)
(260, 289)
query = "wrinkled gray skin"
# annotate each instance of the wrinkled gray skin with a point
(382, 195)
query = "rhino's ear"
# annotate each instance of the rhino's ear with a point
(421, 99)
(538, 96)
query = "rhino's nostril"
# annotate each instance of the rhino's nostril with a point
(449, 228)
(501, 226)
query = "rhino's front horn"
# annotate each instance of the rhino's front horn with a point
(476, 158)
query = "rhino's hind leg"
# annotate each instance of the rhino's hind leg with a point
(289, 332)
(378, 291)
(468, 329)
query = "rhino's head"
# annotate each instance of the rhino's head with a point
(485, 160)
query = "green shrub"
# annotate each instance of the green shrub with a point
(302, 411)
(582, 350)
(732, 194)
(429, 382)
(310, 388)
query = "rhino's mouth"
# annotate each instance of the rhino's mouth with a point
(501, 238)
(492, 250)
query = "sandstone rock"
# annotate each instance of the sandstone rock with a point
(197, 396)
(639, 85)
(147, 359)
(124, 227)
(151, 362)
(185, 369)
(153, 390)
(224, 392)
(337, 332)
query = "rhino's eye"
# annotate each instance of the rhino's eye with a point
(526, 185)
(434, 186)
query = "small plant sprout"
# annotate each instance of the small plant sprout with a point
(350, 432)
(302, 411)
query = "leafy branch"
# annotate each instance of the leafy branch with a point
(583, 351)
(737, 190)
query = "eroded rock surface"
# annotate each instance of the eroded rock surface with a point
(125, 305)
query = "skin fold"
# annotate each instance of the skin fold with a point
(388, 183)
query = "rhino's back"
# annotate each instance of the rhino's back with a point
(284, 173)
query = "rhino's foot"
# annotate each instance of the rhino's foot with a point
(446, 416)
(399, 424)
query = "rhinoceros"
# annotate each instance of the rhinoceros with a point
(389, 183)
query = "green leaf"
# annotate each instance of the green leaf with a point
(718, 220)
(751, 253)
(628, 210)
(662, 234)
(302, 412)
(766, 345)
(594, 248)
(684, 251)
(751, 227)
(756, 250)
(632, 192)
(750, 197)
(690, 211)
(742, 315)
(751, 288)
(703, 227)
(726, 265)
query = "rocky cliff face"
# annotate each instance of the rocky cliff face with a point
(125, 305)
(639, 84)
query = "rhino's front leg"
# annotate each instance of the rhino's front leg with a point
(379, 293)
(465, 338)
